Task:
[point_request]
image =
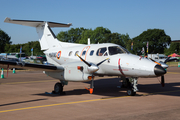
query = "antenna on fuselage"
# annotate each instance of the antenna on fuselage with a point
(89, 41)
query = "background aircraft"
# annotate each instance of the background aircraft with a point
(80, 62)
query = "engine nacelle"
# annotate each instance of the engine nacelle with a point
(72, 72)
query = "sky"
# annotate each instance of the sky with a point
(130, 17)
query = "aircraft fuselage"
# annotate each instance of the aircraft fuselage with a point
(120, 64)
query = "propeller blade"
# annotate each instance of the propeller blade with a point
(84, 61)
(167, 60)
(154, 61)
(90, 64)
(162, 81)
(102, 61)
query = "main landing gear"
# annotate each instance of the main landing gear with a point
(91, 86)
(131, 84)
(58, 88)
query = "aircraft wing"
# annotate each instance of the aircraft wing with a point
(14, 64)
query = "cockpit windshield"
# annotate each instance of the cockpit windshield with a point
(116, 50)
(125, 50)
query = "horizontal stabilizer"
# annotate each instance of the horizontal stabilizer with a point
(33, 23)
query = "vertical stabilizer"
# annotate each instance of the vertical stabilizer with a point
(47, 38)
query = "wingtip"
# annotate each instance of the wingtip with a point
(7, 19)
(70, 24)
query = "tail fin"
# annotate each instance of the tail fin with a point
(47, 38)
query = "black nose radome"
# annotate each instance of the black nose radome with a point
(159, 71)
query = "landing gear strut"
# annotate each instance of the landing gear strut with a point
(125, 83)
(91, 86)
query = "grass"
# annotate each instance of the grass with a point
(172, 63)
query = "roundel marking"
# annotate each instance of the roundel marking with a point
(58, 55)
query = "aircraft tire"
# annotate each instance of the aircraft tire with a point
(130, 92)
(58, 88)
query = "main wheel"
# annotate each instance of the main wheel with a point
(58, 88)
(130, 92)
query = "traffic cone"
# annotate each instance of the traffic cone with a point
(2, 73)
(14, 70)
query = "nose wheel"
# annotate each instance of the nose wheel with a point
(131, 84)
(130, 92)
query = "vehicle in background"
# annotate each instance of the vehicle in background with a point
(158, 57)
(20, 56)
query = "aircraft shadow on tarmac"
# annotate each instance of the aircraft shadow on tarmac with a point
(108, 87)
(22, 102)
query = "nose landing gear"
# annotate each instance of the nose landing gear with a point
(131, 84)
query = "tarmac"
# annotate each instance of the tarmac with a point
(24, 96)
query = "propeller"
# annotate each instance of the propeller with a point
(167, 60)
(84, 61)
(92, 68)
(91, 64)
(162, 77)
(163, 64)
(154, 61)
(162, 81)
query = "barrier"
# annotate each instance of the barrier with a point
(2, 73)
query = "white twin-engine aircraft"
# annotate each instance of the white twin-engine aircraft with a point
(80, 62)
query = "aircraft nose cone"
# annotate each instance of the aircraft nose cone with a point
(159, 71)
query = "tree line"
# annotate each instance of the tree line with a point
(158, 41)
(26, 48)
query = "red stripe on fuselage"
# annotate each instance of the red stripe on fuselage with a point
(120, 67)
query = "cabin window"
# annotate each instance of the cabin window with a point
(101, 51)
(77, 52)
(115, 50)
(70, 53)
(84, 52)
(92, 52)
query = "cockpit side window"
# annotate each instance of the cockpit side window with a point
(115, 50)
(101, 51)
